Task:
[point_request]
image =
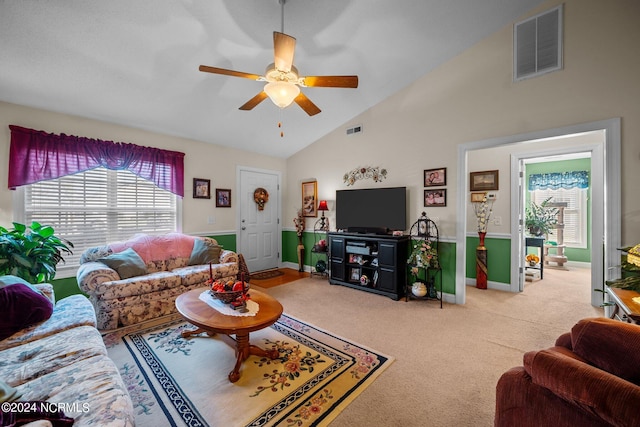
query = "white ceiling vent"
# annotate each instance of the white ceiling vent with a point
(354, 130)
(537, 45)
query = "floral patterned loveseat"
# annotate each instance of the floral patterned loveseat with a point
(139, 279)
(63, 361)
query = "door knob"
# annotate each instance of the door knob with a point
(244, 228)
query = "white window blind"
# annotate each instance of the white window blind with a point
(575, 214)
(98, 207)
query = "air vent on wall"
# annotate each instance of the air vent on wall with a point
(355, 129)
(537, 45)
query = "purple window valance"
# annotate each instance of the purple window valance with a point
(37, 156)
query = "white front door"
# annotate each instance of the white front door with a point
(259, 231)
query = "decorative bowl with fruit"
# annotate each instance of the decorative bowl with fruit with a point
(229, 291)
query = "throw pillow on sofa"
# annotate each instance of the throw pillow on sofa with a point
(21, 305)
(127, 263)
(205, 252)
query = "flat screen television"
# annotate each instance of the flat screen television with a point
(372, 210)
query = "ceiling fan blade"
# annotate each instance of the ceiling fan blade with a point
(215, 70)
(331, 81)
(250, 104)
(284, 47)
(305, 103)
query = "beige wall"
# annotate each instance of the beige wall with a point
(201, 160)
(470, 98)
(473, 98)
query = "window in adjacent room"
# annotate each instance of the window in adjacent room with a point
(575, 214)
(99, 206)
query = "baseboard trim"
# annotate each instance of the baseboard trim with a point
(294, 266)
(499, 286)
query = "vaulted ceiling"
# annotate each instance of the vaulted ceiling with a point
(135, 62)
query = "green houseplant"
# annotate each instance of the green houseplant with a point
(31, 252)
(540, 218)
(630, 279)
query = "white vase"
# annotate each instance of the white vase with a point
(419, 289)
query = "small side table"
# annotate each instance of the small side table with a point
(537, 242)
(625, 309)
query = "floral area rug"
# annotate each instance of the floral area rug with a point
(176, 381)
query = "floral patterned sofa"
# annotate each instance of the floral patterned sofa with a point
(139, 279)
(63, 361)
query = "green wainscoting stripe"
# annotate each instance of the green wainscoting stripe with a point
(65, 287)
(290, 245)
(447, 254)
(577, 254)
(227, 241)
(498, 259)
(69, 286)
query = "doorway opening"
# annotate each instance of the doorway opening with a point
(559, 184)
(605, 229)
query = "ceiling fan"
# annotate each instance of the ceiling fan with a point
(283, 81)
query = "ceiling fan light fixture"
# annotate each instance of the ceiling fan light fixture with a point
(283, 81)
(281, 93)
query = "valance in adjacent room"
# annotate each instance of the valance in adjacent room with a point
(37, 156)
(557, 180)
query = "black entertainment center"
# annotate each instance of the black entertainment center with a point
(364, 254)
(369, 262)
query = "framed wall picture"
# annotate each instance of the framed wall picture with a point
(435, 177)
(482, 181)
(477, 197)
(309, 197)
(433, 198)
(223, 198)
(201, 188)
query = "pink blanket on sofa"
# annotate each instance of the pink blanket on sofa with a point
(154, 248)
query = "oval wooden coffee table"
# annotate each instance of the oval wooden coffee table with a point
(208, 319)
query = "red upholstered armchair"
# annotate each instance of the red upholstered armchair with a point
(591, 377)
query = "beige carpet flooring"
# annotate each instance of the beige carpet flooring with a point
(447, 361)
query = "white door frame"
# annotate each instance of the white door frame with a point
(612, 196)
(240, 169)
(597, 215)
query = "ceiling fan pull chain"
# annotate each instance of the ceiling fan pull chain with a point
(280, 124)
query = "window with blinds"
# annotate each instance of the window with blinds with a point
(99, 206)
(575, 214)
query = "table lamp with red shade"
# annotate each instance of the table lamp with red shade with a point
(322, 206)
